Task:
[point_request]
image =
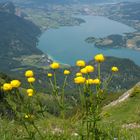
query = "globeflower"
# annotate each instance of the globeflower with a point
(114, 69)
(79, 80)
(15, 83)
(99, 58)
(31, 79)
(80, 63)
(30, 92)
(49, 74)
(7, 87)
(96, 81)
(66, 72)
(55, 65)
(89, 81)
(83, 71)
(78, 74)
(89, 68)
(29, 73)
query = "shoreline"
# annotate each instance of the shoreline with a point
(53, 59)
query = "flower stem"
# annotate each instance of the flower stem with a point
(26, 128)
(99, 71)
(55, 82)
(38, 130)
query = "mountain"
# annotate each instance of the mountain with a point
(19, 38)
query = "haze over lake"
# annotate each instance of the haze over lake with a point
(67, 44)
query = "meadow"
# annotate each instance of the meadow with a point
(30, 114)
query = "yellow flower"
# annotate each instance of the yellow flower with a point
(49, 74)
(29, 73)
(30, 92)
(31, 79)
(79, 80)
(83, 71)
(55, 65)
(66, 72)
(7, 87)
(90, 81)
(26, 116)
(15, 83)
(78, 74)
(99, 58)
(96, 81)
(80, 63)
(114, 69)
(89, 68)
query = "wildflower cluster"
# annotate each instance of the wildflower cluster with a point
(54, 83)
(25, 104)
(29, 74)
(91, 91)
(90, 86)
(12, 85)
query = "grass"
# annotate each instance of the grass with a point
(117, 116)
(126, 114)
(50, 127)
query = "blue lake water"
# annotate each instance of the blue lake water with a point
(67, 44)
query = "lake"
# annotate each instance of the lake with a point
(67, 44)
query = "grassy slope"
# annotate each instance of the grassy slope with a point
(127, 113)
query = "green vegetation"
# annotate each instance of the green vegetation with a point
(126, 114)
(128, 109)
(33, 115)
